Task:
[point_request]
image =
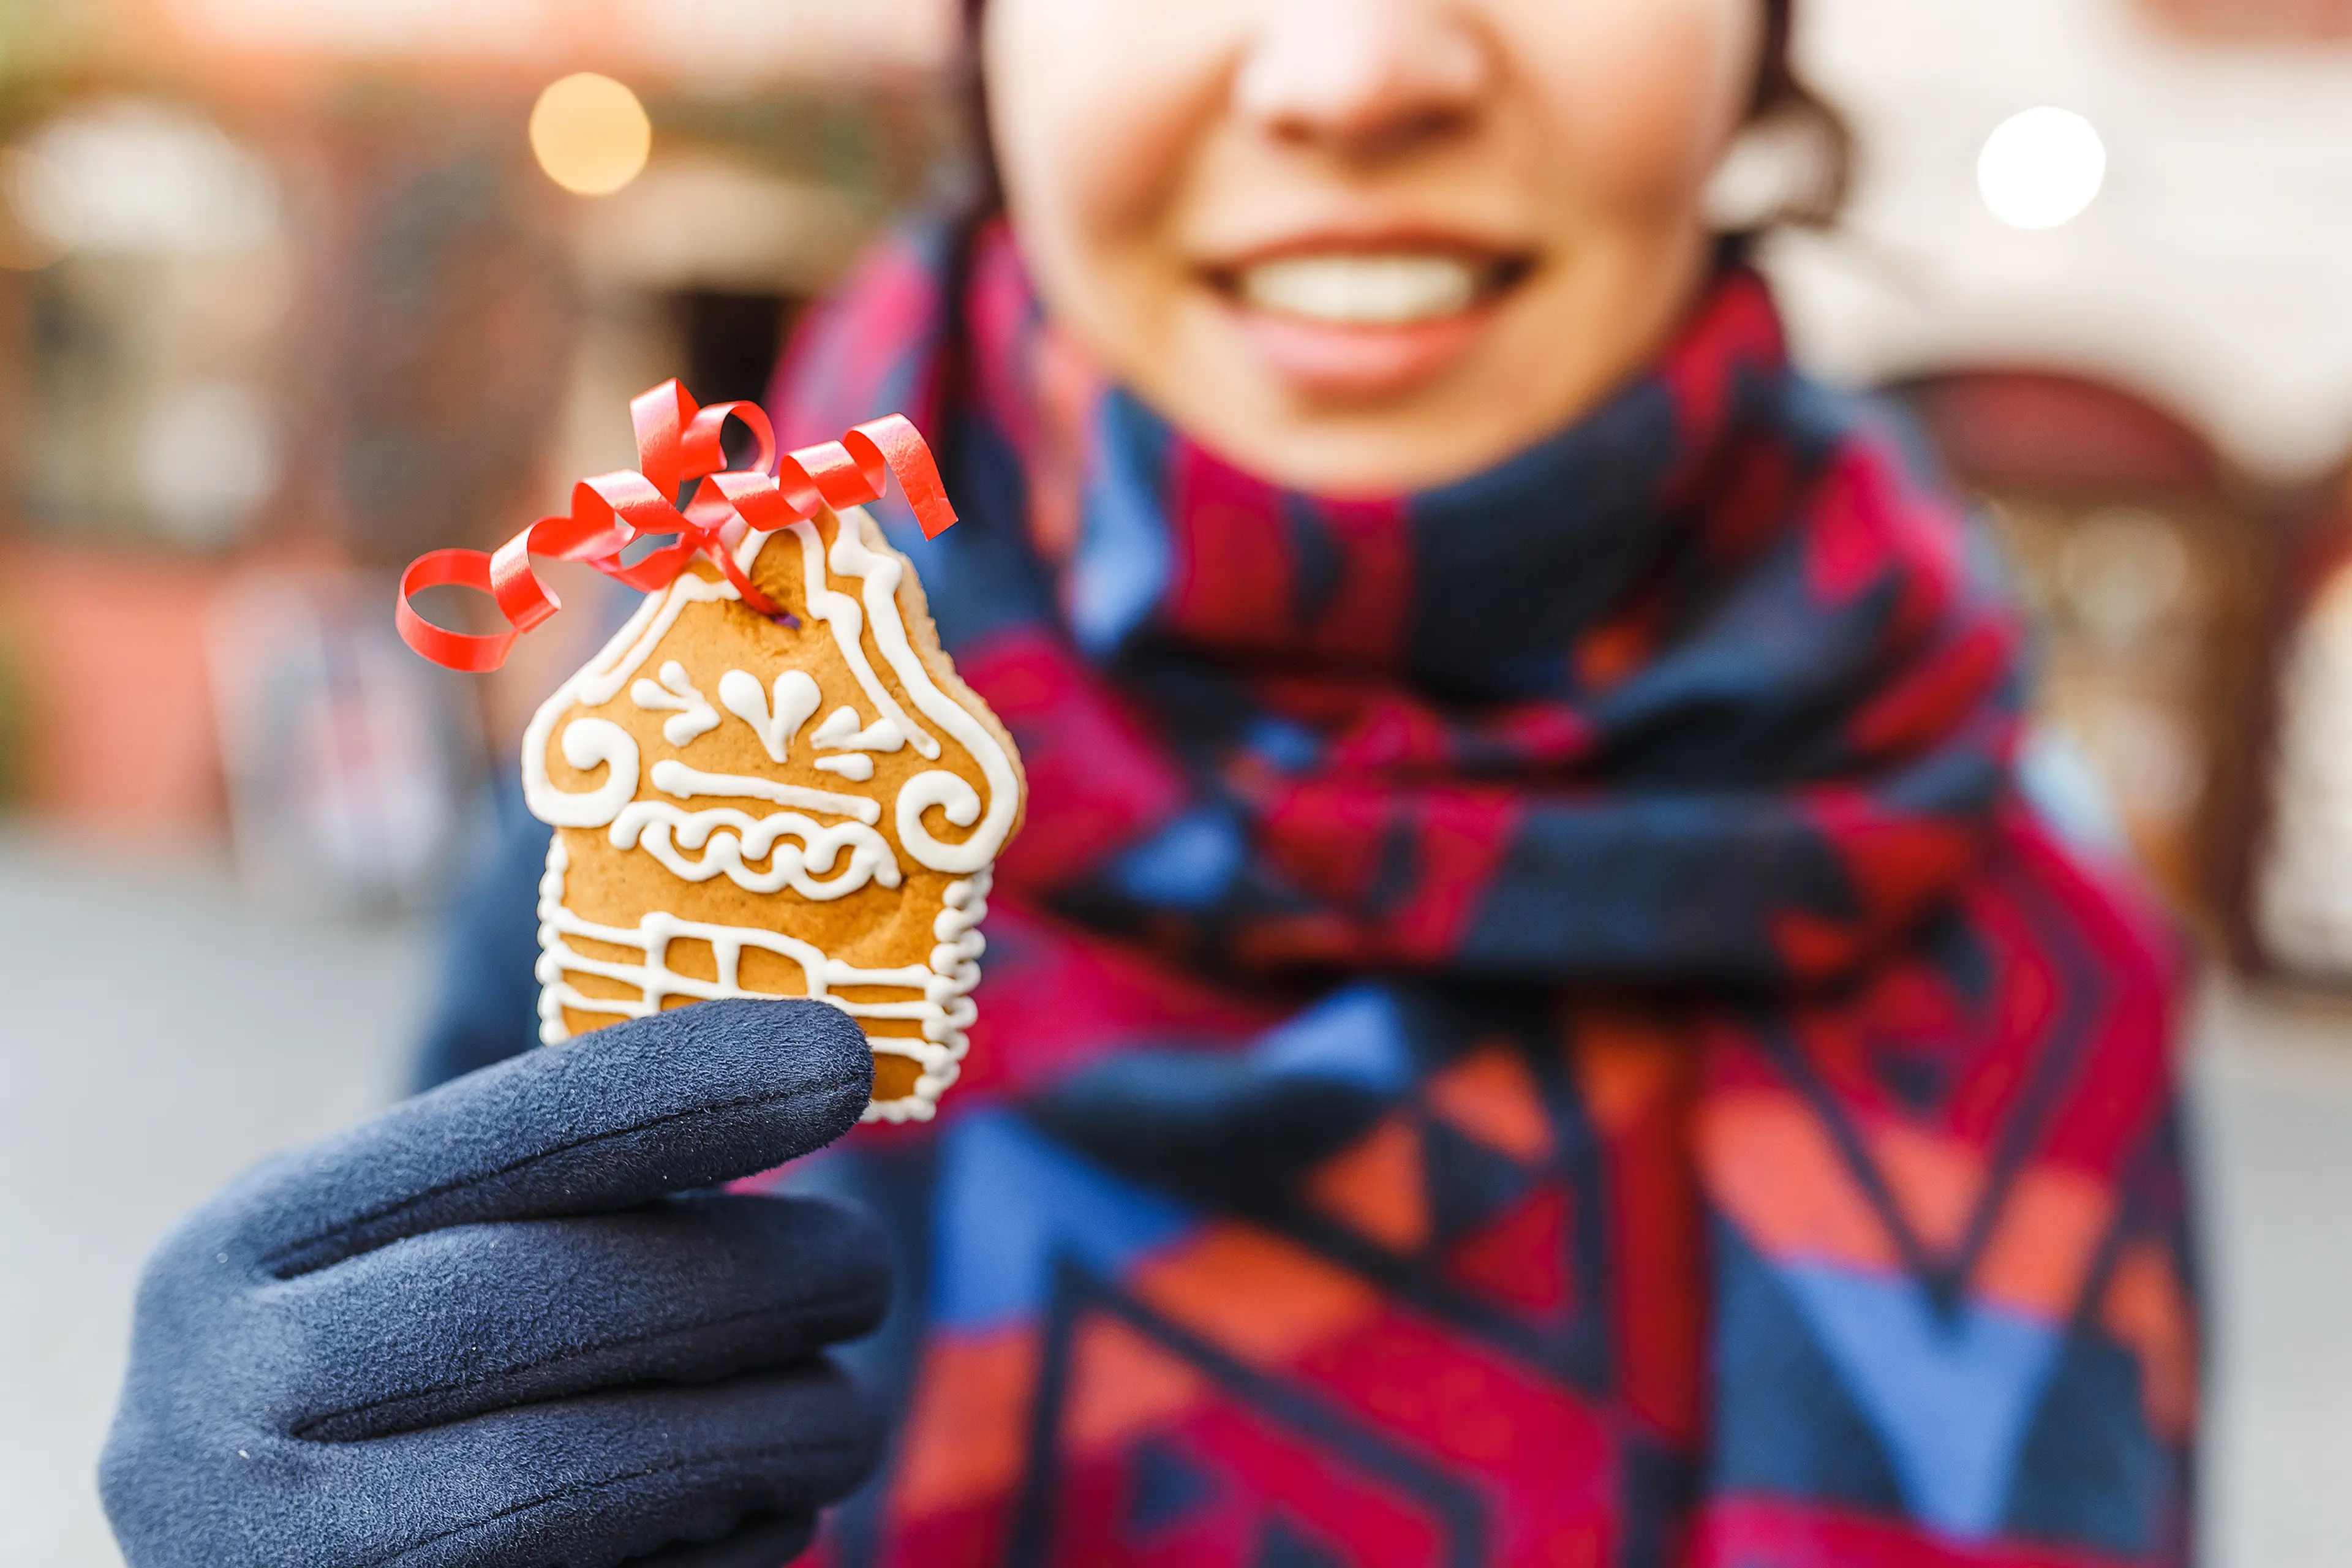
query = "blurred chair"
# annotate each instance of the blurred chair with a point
(2150, 568)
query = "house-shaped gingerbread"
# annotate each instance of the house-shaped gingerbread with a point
(802, 804)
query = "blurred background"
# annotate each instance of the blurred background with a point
(293, 290)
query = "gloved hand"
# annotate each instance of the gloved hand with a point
(480, 1330)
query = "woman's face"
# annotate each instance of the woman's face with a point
(1366, 245)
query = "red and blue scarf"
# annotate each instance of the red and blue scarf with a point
(1529, 1023)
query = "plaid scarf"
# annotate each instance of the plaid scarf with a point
(1529, 1023)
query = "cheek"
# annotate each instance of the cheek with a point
(1096, 107)
(1637, 98)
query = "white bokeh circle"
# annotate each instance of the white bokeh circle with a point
(2042, 168)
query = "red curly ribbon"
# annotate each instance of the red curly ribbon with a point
(678, 442)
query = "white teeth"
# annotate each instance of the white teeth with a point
(1362, 290)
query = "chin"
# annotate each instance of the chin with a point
(1362, 452)
(1362, 430)
(1364, 413)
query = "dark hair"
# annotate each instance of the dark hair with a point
(1783, 103)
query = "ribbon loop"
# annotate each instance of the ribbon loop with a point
(660, 417)
(826, 475)
(705, 453)
(466, 651)
(522, 598)
(894, 443)
(679, 442)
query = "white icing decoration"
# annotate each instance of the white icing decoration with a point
(664, 830)
(587, 744)
(852, 766)
(839, 733)
(696, 716)
(797, 701)
(938, 995)
(673, 777)
(881, 572)
(593, 685)
(842, 613)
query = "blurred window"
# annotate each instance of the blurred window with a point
(732, 339)
(157, 281)
(2144, 577)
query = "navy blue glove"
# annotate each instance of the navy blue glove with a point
(494, 1327)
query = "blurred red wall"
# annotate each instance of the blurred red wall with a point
(107, 648)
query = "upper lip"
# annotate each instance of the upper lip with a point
(1226, 263)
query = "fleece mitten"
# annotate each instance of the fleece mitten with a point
(497, 1326)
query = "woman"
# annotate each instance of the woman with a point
(1529, 1023)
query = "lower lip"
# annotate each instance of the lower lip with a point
(1333, 359)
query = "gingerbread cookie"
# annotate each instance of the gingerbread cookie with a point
(771, 781)
(802, 805)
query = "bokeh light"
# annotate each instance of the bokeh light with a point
(591, 133)
(2042, 168)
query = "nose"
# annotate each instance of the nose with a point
(1363, 79)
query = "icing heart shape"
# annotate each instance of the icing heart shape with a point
(714, 839)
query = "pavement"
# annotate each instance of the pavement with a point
(159, 1034)
(2270, 1087)
(162, 1031)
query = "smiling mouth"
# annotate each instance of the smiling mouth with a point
(1371, 288)
(1362, 324)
